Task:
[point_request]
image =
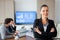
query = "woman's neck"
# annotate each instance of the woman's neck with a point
(44, 20)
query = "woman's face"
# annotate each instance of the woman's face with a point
(44, 12)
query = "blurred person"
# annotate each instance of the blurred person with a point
(8, 28)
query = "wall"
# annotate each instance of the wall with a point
(25, 5)
(6, 9)
(57, 11)
(57, 17)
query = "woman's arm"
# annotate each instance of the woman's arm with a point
(52, 33)
(37, 30)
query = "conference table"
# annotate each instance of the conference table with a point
(24, 36)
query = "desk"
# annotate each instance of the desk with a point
(22, 38)
(9, 39)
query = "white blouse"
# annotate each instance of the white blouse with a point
(45, 27)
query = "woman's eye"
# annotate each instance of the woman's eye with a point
(46, 10)
(43, 10)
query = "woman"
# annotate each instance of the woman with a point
(44, 28)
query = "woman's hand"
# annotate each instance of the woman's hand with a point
(52, 30)
(37, 30)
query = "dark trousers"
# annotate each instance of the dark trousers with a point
(38, 39)
(42, 39)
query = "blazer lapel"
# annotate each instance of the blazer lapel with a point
(42, 28)
(41, 25)
(47, 30)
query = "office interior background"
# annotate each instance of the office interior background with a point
(9, 7)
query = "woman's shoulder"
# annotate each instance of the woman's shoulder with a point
(52, 21)
(37, 19)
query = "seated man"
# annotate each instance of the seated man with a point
(8, 28)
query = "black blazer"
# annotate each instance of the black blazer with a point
(45, 35)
